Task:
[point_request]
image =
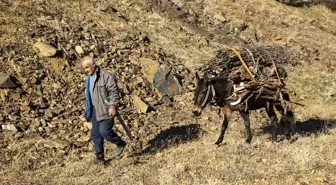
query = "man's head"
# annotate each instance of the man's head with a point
(88, 65)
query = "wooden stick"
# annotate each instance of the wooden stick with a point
(244, 64)
(250, 73)
(275, 68)
(128, 132)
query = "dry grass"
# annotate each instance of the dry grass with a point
(200, 162)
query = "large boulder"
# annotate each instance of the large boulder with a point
(140, 105)
(167, 83)
(10, 127)
(149, 68)
(5, 81)
(44, 49)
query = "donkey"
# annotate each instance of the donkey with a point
(220, 89)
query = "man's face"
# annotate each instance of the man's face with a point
(88, 68)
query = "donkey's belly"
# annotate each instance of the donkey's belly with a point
(257, 105)
(249, 106)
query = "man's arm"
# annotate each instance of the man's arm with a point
(113, 94)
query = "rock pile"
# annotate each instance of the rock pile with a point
(48, 99)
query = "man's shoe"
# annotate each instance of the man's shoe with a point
(120, 149)
(99, 161)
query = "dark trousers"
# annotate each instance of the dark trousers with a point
(103, 130)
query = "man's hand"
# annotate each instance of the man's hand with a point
(112, 111)
(83, 118)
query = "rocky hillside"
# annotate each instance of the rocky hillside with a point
(44, 138)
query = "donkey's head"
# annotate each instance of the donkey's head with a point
(206, 89)
(201, 95)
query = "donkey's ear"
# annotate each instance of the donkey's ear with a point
(197, 77)
(205, 76)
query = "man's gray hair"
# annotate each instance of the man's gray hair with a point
(88, 59)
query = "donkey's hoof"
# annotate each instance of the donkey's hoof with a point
(247, 145)
(293, 138)
(277, 140)
(248, 140)
(218, 143)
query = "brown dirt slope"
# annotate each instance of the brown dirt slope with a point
(178, 148)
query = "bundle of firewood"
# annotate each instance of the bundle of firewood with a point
(257, 71)
(258, 58)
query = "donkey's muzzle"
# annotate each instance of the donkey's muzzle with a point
(197, 111)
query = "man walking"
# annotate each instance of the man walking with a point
(102, 99)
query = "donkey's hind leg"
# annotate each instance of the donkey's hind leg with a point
(246, 116)
(227, 116)
(283, 120)
(290, 119)
(274, 120)
(289, 114)
(287, 120)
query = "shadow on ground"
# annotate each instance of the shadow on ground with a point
(331, 4)
(173, 136)
(307, 127)
(315, 126)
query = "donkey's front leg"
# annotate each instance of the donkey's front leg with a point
(227, 116)
(246, 117)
